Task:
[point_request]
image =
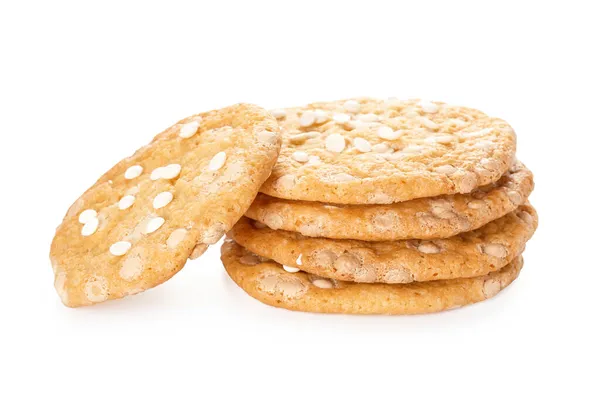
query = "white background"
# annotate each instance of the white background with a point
(84, 84)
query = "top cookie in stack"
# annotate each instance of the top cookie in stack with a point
(437, 187)
(367, 151)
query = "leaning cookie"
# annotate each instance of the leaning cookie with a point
(138, 224)
(369, 151)
(468, 254)
(424, 218)
(269, 283)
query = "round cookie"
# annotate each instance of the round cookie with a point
(368, 151)
(269, 283)
(468, 254)
(137, 225)
(424, 218)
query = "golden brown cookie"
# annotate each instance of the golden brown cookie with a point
(269, 283)
(368, 151)
(137, 225)
(425, 218)
(468, 254)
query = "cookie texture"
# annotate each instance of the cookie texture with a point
(468, 254)
(137, 225)
(269, 283)
(369, 151)
(424, 218)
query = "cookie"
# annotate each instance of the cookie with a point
(468, 254)
(137, 225)
(269, 283)
(368, 151)
(425, 218)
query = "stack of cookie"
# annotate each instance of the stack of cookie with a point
(370, 206)
(385, 207)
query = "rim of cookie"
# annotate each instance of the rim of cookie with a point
(423, 218)
(466, 255)
(370, 151)
(138, 224)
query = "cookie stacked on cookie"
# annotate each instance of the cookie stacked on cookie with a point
(385, 207)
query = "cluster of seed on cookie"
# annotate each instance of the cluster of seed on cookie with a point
(318, 281)
(404, 131)
(89, 217)
(353, 120)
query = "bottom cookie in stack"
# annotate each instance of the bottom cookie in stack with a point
(394, 277)
(267, 281)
